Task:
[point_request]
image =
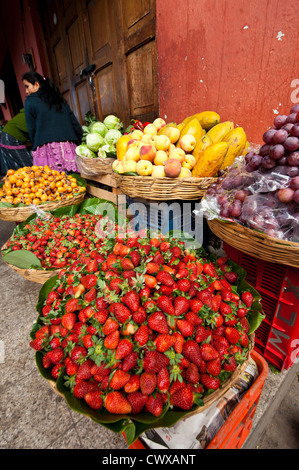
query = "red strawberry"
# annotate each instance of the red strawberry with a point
(119, 379)
(139, 316)
(90, 295)
(165, 278)
(179, 342)
(191, 352)
(37, 344)
(186, 328)
(111, 341)
(126, 264)
(164, 342)
(120, 311)
(154, 404)
(150, 281)
(89, 281)
(132, 300)
(216, 302)
(241, 312)
(100, 371)
(245, 324)
(70, 367)
(137, 401)
(78, 354)
(165, 304)
(55, 370)
(208, 352)
(232, 335)
(51, 297)
(192, 373)
(158, 322)
(92, 266)
(46, 361)
(181, 305)
(164, 246)
(226, 295)
(68, 320)
(182, 398)
(148, 383)
(201, 334)
(142, 334)
(101, 303)
(124, 348)
(135, 257)
(163, 380)
(247, 298)
(244, 340)
(193, 318)
(133, 384)
(210, 382)
(153, 268)
(231, 277)
(84, 387)
(56, 355)
(84, 370)
(205, 296)
(117, 403)
(210, 270)
(129, 361)
(72, 305)
(213, 367)
(153, 361)
(184, 285)
(94, 399)
(115, 284)
(109, 326)
(101, 315)
(195, 305)
(230, 364)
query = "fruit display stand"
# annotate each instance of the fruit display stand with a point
(210, 431)
(103, 186)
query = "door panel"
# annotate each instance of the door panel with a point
(118, 38)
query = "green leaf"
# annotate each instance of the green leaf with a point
(23, 259)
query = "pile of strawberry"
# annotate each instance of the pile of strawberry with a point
(143, 324)
(58, 241)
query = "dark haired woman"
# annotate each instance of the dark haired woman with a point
(53, 128)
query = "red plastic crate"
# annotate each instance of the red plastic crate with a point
(236, 428)
(277, 338)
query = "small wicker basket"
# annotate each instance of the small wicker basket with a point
(94, 166)
(163, 189)
(257, 244)
(20, 213)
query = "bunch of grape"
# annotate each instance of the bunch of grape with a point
(280, 151)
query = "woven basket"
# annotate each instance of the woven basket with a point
(256, 244)
(19, 214)
(94, 166)
(35, 275)
(213, 397)
(163, 189)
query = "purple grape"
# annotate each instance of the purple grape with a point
(280, 136)
(281, 169)
(294, 109)
(264, 150)
(291, 118)
(294, 183)
(280, 120)
(256, 161)
(296, 196)
(292, 171)
(288, 127)
(291, 143)
(268, 163)
(267, 137)
(235, 210)
(285, 195)
(228, 183)
(224, 213)
(241, 195)
(295, 130)
(248, 156)
(276, 151)
(293, 159)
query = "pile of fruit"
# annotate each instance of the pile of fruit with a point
(262, 192)
(145, 326)
(199, 146)
(58, 241)
(37, 185)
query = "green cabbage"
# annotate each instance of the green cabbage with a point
(98, 127)
(94, 141)
(112, 137)
(112, 122)
(83, 151)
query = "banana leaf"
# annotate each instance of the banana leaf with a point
(135, 425)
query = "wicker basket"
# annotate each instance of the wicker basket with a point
(19, 214)
(34, 275)
(163, 189)
(94, 166)
(256, 244)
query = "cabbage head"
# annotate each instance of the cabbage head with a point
(112, 122)
(94, 141)
(112, 137)
(83, 151)
(98, 127)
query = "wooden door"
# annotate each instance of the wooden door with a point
(116, 39)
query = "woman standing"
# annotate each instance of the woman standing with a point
(14, 150)
(53, 128)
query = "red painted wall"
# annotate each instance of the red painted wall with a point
(20, 32)
(237, 57)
